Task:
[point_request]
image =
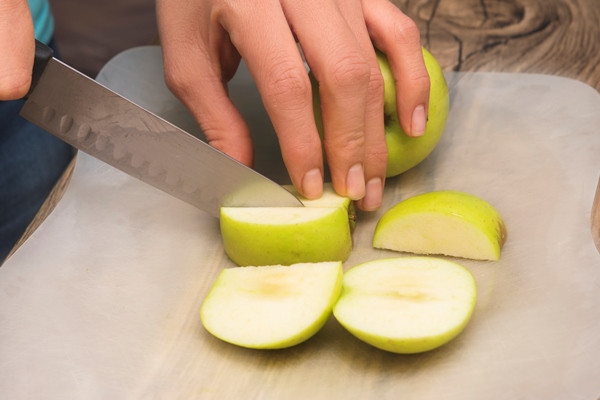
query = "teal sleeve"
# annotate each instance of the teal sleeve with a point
(43, 21)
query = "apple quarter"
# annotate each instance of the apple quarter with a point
(406, 305)
(271, 307)
(318, 232)
(443, 222)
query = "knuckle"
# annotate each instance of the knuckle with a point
(225, 8)
(288, 86)
(15, 85)
(406, 32)
(177, 82)
(299, 150)
(345, 143)
(376, 85)
(420, 79)
(376, 155)
(351, 71)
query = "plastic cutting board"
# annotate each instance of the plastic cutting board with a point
(102, 302)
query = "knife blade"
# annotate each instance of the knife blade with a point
(107, 126)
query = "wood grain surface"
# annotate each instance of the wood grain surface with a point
(556, 37)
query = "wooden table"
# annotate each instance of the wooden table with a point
(558, 37)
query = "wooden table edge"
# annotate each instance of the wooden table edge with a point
(48, 206)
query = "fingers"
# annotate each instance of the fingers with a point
(339, 51)
(398, 37)
(375, 151)
(199, 59)
(17, 47)
(342, 70)
(202, 39)
(272, 57)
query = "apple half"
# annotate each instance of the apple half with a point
(271, 307)
(406, 305)
(445, 222)
(320, 231)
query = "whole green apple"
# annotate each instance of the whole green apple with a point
(405, 152)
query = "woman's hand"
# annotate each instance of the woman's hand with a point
(203, 41)
(17, 46)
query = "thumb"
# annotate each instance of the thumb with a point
(17, 46)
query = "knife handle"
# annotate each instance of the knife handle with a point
(43, 54)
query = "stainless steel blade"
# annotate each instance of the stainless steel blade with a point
(102, 123)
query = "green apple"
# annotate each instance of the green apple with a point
(405, 152)
(406, 305)
(320, 231)
(443, 222)
(271, 307)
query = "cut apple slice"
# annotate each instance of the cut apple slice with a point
(318, 232)
(444, 222)
(406, 305)
(271, 307)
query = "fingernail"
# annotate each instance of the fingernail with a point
(419, 121)
(312, 184)
(373, 195)
(355, 182)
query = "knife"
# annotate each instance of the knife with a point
(107, 126)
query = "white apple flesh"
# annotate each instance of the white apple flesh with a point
(406, 305)
(318, 232)
(271, 307)
(443, 222)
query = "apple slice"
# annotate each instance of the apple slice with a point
(271, 307)
(406, 305)
(444, 222)
(318, 232)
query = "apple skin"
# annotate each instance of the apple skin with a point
(271, 307)
(404, 152)
(445, 222)
(406, 305)
(320, 231)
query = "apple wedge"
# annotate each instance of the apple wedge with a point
(318, 232)
(406, 305)
(271, 307)
(444, 222)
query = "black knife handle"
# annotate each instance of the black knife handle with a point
(43, 54)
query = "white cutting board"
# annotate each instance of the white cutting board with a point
(102, 301)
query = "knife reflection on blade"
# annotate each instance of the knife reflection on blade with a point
(100, 122)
